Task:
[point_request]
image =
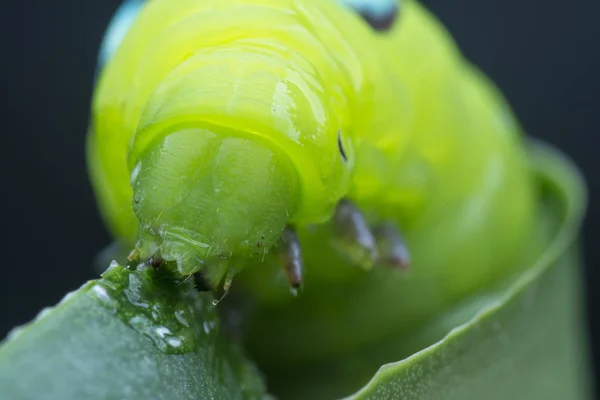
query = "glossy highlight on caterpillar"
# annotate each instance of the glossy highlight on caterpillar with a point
(222, 130)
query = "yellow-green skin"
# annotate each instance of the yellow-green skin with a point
(215, 125)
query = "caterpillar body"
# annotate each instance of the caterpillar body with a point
(223, 128)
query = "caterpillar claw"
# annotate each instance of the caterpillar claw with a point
(353, 237)
(392, 247)
(293, 264)
(226, 286)
(134, 255)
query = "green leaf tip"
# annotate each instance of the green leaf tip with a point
(92, 345)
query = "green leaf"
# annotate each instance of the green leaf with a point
(526, 344)
(526, 347)
(129, 335)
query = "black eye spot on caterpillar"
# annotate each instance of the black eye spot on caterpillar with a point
(379, 14)
(341, 147)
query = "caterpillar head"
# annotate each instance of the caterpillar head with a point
(214, 184)
(231, 128)
(199, 194)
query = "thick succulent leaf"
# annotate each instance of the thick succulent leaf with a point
(527, 347)
(126, 337)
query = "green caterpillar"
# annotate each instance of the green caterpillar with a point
(225, 131)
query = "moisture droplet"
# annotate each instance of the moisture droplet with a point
(174, 341)
(135, 173)
(208, 326)
(181, 319)
(133, 292)
(162, 331)
(102, 295)
(164, 310)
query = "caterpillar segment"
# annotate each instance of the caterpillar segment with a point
(223, 131)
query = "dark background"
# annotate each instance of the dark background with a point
(544, 55)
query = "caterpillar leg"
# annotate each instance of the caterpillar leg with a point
(226, 286)
(381, 245)
(352, 235)
(391, 245)
(292, 255)
(363, 245)
(134, 255)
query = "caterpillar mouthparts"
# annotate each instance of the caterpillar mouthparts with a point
(363, 245)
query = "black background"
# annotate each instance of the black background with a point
(544, 55)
